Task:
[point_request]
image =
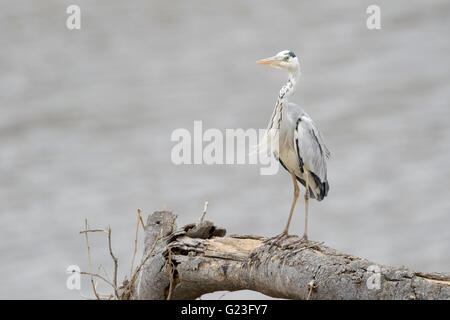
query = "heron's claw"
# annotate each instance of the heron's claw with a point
(302, 241)
(277, 240)
(302, 244)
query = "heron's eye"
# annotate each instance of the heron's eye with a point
(286, 58)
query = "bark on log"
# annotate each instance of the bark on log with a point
(202, 260)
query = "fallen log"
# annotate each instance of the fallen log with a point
(197, 259)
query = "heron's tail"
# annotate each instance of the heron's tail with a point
(323, 187)
(317, 189)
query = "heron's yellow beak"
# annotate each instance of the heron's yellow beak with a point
(269, 61)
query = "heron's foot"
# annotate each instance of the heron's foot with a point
(295, 243)
(277, 240)
(301, 243)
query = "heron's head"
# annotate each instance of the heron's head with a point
(284, 60)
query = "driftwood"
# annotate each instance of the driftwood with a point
(197, 259)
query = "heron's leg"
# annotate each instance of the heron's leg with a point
(296, 193)
(305, 234)
(276, 240)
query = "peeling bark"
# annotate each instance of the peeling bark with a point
(197, 259)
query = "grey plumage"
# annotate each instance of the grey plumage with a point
(301, 143)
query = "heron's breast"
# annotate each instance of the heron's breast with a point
(289, 157)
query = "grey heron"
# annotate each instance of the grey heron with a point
(301, 148)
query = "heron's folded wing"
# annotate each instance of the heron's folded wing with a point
(311, 147)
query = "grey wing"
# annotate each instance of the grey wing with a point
(312, 153)
(311, 147)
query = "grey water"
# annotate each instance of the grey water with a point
(86, 118)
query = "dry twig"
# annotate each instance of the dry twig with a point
(89, 258)
(113, 282)
(204, 211)
(139, 219)
(116, 262)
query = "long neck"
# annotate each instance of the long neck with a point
(286, 91)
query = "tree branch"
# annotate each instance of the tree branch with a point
(202, 260)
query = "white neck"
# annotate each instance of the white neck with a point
(289, 88)
(286, 91)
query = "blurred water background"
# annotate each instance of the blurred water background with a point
(86, 118)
